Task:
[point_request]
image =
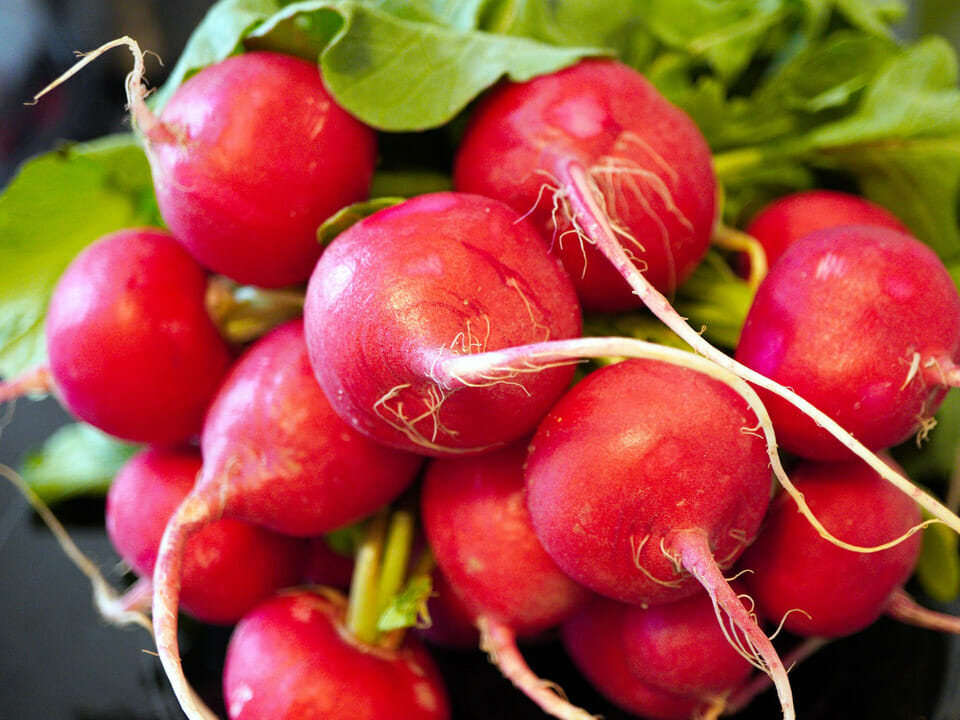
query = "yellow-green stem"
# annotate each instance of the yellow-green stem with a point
(396, 557)
(363, 610)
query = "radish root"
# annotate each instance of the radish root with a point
(581, 195)
(500, 644)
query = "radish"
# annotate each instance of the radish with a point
(326, 566)
(476, 522)
(814, 587)
(593, 640)
(451, 623)
(131, 347)
(645, 160)
(436, 277)
(787, 219)
(276, 455)
(543, 135)
(228, 567)
(289, 659)
(249, 157)
(645, 481)
(681, 648)
(864, 322)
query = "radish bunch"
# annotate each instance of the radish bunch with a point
(437, 378)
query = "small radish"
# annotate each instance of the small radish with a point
(228, 567)
(434, 278)
(476, 522)
(645, 161)
(593, 640)
(645, 481)
(681, 648)
(326, 566)
(451, 623)
(291, 659)
(814, 587)
(863, 322)
(276, 455)
(787, 219)
(131, 347)
(249, 156)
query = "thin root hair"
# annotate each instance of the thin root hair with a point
(635, 550)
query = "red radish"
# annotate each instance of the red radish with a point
(475, 519)
(863, 322)
(290, 659)
(451, 623)
(645, 159)
(593, 640)
(274, 454)
(228, 567)
(325, 566)
(814, 587)
(249, 156)
(437, 277)
(644, 480)
(681, 647)
(671, 183)
(787, 219)
(132, 349)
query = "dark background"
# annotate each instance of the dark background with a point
(59, 661)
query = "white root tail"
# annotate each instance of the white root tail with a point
(500, 644)
(467, 368)
(590, 217)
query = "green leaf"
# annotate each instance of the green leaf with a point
(870, 16)
(56, 205)
(408, 606)
(76, 460)
(725, 35)
(397, 74)
(394, 66)
(938, 567)
(915, 96)
(918, 180)
(216, 37)
(352, 214)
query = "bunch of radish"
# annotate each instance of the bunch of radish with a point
(439, 379)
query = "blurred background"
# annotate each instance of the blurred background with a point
(58, 661)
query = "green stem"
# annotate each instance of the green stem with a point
(363, 610)
(396, 557)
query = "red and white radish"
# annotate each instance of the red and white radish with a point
(290, 659)
(249, 156)
(476, 522)
(229, 566)
(787, 219)
(131, 347)
(643, 159)
(437, 277)
(274, 454)
(864, 322)
(809, 584)
(683, 647)
(593, 640)
(645, 481)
